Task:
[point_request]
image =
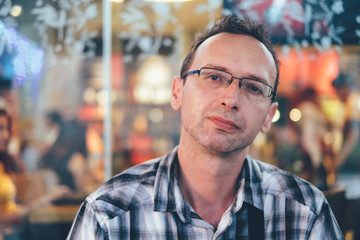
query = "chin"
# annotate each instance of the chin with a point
(225, 148)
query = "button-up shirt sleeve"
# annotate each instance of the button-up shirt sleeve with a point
(325, 226)
(86, 225)
(293, 208)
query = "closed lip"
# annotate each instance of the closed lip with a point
(222, 122)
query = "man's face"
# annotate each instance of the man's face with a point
(222, 120)
(4, 133)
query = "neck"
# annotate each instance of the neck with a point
(209, 181)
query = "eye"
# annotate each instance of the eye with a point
(214, 77)
(253, 87)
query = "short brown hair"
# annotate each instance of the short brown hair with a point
(233, 24)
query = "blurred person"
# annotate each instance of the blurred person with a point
(6, 158)
(12, 214)
(67, 152)
(54, 123)
(9, 101)
(29, 148)
(209, 187)
(347, 158)
(141, 142)
(287, 150)
(312, 128)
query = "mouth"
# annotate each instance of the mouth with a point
(224, 124)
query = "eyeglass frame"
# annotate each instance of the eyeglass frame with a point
(272, 93)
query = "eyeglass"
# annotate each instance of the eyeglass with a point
(251, 88)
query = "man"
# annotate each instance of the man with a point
(209, 187)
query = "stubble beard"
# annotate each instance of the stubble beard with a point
(218, 142)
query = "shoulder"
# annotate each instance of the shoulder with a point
(127, 190)
(282, 185)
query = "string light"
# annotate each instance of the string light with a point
(295, 115)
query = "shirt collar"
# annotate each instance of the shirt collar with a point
(250, 185)
(169, 198)
(166, 187)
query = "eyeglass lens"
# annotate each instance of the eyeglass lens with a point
(220, 79)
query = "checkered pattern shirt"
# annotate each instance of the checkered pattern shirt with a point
(146, 202)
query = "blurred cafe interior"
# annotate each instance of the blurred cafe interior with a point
(86, 85)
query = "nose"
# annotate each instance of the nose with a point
(230, 96)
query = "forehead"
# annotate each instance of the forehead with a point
(239, 54)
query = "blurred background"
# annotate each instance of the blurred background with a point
(87, 86)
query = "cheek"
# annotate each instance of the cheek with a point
(255, 115)
(194, 106)
(195, 98)
(189, 106)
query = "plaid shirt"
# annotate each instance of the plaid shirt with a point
(146, 202)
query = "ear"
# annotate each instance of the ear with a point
(176, 95)
(269, 117)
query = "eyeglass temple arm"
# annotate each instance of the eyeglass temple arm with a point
(191, 72)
